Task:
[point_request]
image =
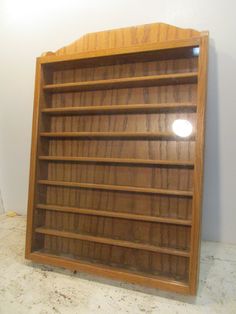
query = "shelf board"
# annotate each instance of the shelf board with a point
(132, 161)
(104, 213)
(136, 108)
(110, 241)
(89, 265)
(121, 188)
(180, 48)
(126, 82)
(116, 135)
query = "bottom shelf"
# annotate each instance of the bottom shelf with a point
(136, 257)
(111, 271)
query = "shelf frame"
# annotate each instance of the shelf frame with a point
(66, 60)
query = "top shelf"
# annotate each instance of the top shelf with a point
(127, 82)
(173, 49)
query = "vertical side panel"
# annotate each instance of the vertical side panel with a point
(199, 164)
(33, 161)
(36, 169)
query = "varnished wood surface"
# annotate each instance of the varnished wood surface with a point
(127, 135)
(153, 281)
(120, 109)
(154, 80)
(198, 174)
(122, 243)
(120, 160)
(106, 213)
(111, 186)
(117, 188)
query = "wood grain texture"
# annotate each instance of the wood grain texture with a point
(96, 160)
(129, 37)
(140, 108)
(199, 159)
(105, 213)
(154, 80)
(113, 190)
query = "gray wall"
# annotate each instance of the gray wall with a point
(27, 28)
(1, 204)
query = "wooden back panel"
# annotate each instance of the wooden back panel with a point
(113, 190)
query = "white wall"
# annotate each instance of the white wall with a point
(27, 28)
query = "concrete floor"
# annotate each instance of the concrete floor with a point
(29, 288)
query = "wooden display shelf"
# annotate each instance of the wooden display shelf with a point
(96, 121)
(126, 82)
(105, 213)
(139, 108)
